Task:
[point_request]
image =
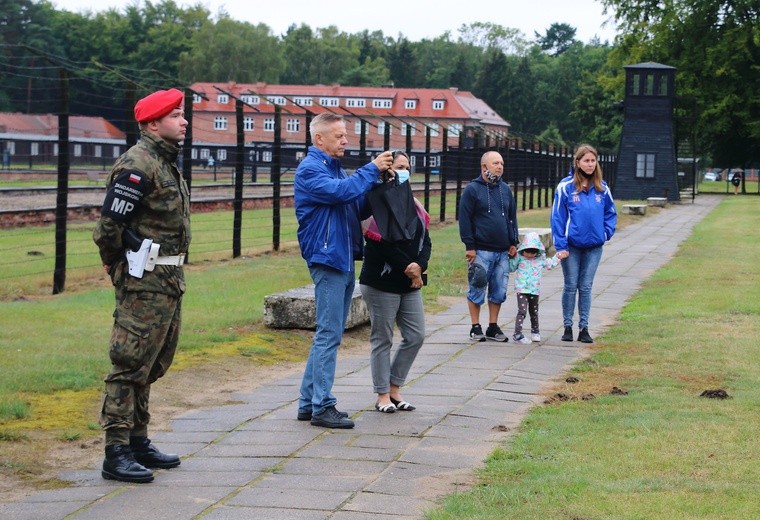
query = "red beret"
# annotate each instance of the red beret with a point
(157, 105)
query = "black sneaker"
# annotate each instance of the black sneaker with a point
(494, 333)
(568, 335)
(331, 418)
(476, 332)
(305, 415)
(584, 336)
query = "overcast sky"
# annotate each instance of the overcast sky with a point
(413, 18)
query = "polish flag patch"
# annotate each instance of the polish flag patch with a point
(134, 178)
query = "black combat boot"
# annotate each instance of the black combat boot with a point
(120, 464)
(149, 456)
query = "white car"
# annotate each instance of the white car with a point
(712, 176)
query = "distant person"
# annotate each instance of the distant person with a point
(583, 218)
(146, 199)
(327, 203)
(736, 180)
(390, 281)
(488, 229)
(210, 163)
(528, 265)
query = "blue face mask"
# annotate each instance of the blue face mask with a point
(402, 175)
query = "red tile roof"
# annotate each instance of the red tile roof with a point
(80, 127)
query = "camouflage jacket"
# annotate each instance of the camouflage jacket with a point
(145, 192)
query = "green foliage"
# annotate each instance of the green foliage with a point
(715, 45)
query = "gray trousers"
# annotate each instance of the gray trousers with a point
(385, 309)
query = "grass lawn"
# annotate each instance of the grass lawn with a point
(661, 451)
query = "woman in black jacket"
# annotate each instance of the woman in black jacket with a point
(390, 281)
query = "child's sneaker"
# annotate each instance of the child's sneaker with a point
(535, 336)
(494, 333)
(519, 338)
(476, 332)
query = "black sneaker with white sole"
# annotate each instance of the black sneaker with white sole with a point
(494, 333)
(476, 332)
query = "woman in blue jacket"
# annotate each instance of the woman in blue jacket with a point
(583, 218)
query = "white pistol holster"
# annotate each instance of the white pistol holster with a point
(144, 259)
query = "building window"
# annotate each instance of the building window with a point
(222, 99)
(34, 148)
(303, 101)
(293, 125)
(196, 99)
(11, 147)
(356, 103)
(221, 155)
(328, 102)
(438, 104)
(193, 153)
(116, 151)
(645, 165)
(266, 156)
(664, 85)
(204, 153)
(382, 103)
(220, 123)
(649, 86)
(381, 128)
(269, 124)
(249, 99)
(635, 84)
(410, 104)
(407, 127)
(455, 129)
(77, 150)
(98, 151)
(276, 100)
(55, 149)
(248, 124)
(433, 129)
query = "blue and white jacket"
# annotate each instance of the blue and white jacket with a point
(327, 205)
(582, 219)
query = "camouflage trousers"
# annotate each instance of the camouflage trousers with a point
(143, 342)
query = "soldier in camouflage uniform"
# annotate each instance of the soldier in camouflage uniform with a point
(146, 196)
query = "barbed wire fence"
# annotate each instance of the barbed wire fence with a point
(237, 210)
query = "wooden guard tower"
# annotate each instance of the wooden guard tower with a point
(647, 157)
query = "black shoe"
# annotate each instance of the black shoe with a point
(148, 455)
(476, 332)
(568, 335)
(583, 336)
(331, 418)
(120, 464)
(494, 333)
(306, 416)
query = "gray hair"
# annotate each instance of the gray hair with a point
(321, 121)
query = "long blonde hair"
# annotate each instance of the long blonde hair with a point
(578, 177)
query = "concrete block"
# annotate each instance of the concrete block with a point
(659, 202)
(546, 238)
(635, 209)
(296, 309)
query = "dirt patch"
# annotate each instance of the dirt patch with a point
(205, 385)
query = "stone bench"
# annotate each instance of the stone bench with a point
(635, 209)
(296, 309)
(659, 202)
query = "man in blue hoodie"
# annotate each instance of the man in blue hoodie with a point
(488, 229)
(327, 205)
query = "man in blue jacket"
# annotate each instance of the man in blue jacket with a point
(329, 233)
(488, 229)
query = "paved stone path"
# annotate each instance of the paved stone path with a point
(254, 460)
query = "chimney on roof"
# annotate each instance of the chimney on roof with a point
(454, 89)
(388, 85)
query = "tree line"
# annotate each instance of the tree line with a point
(549, 86)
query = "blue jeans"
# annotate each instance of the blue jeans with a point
(333, 292)
(579, 269)
(497, 269)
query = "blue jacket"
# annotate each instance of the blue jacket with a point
(327, 209)
(583, 220)
(488, 216)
